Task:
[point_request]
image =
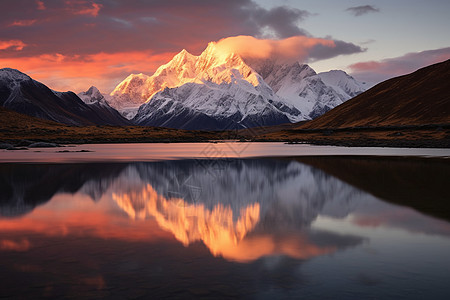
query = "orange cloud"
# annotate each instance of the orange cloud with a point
(77, 72)
(23, 22)
(80, 223)
(12, 44)
(293, 48)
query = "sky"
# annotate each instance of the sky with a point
(73, 44)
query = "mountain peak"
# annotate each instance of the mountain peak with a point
(341, 81)
(93, 90)
(131, 82)
(182, 55)
(215, 55)
(13, 75)
(211, 47)
(92, 95)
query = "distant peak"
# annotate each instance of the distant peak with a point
(92, 90)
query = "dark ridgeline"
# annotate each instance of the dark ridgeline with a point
(20, 93)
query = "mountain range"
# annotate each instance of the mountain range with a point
(216, 90)
(20, 93)
(221, 90)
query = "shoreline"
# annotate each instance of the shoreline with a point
(424, 136)
(141, 152)
(367, 143)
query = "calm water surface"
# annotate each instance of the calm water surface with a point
(353, 227)
(160, 151)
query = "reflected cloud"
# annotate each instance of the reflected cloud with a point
(10, 245)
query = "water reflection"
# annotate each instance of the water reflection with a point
(262, 213)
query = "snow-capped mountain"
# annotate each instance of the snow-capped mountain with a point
(92, 95)
(344, 83)
(96, 100)
(311, 93)
(21, 93)
(220, 90)
(214, 90)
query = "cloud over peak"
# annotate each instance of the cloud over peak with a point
(296, 48)
(96, 36)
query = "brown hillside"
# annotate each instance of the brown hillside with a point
(12, 119)
(16, 126)
(419, 98)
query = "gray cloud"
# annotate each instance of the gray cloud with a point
(75, 27)
(362, 10)
(320, 52)
(283, 21)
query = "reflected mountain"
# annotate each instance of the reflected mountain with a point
(241, 210)
(24, 186)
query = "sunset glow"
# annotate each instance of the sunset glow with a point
(73, 44)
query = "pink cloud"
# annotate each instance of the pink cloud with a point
(377, 71)
(40, 5)
(23, 22)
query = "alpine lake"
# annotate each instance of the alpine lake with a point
(224, 220)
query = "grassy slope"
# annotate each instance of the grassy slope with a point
(16, 126)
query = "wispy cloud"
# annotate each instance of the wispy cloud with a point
(81, 7)
(362, 10)
(15, 45)
(23, 22)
